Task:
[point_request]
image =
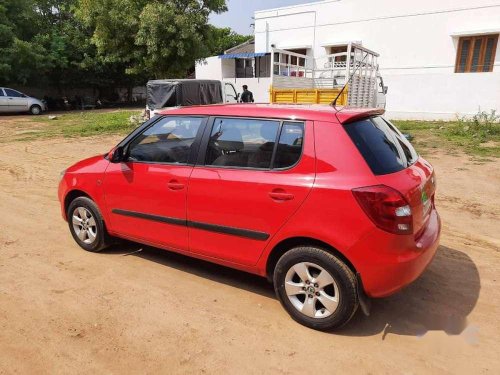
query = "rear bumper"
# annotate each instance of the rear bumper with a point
(388, 263)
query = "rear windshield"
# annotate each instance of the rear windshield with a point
(384, 148)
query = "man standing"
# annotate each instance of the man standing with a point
(246, 95)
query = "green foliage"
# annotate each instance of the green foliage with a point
(28, 60)
(155, 39)
(223, 39)
(477, 135)
(15, 20)
(41, 42)
(106, 43)
(16, 17)
(483, 126)
(92, 123)
(80, 124)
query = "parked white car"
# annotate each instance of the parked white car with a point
(15, 101)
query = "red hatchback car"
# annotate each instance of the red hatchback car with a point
(333, 206)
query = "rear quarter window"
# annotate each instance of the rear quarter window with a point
(382, 146)
(289, 145)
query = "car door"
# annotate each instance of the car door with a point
(146, 194)
(4, 105)
(245, 187)
(230, 93)
(17, 101)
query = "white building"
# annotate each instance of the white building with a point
(438, 58)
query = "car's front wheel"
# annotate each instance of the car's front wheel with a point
(86, 225)
(35, 109)
(316, 288)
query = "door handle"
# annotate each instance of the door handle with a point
(175, 185)
(280, 195)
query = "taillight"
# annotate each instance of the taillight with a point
(386, 207)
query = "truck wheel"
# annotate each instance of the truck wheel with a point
(86, 225)
(316, 288)
(35, 109)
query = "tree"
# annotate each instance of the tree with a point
(155, 38)
(106, 43)
(16, 26)
(223, 39)
(42, 43)
(38, 41)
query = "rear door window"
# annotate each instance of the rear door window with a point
(245, 143)
(383, 147)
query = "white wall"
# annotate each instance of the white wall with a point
(417, 42)
(138, 92)
(228, 67)
(216, 68)
(258, 86)
(209, 68)
(428, 96)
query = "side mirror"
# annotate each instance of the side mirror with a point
(386, 88)
(116, 155)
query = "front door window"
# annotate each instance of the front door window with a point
(13, 93)
(168, 141)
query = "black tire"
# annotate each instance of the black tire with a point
(102, 238)
(343, 276)
(35, 109)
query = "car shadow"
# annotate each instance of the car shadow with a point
(440, 300)
(211, 271)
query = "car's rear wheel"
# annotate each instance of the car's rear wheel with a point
(86, 225)
(35, 109)
(316, 288)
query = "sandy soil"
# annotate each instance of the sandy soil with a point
(63, 310)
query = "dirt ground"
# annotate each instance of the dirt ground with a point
(63, 310)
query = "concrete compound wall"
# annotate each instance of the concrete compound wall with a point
(258, 86)
(216, 68)
(138, 93)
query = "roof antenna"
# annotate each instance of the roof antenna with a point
(334, 102)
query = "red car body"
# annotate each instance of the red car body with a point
(246, 219)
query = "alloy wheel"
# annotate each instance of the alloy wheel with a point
(312, 290)
(84, 225)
